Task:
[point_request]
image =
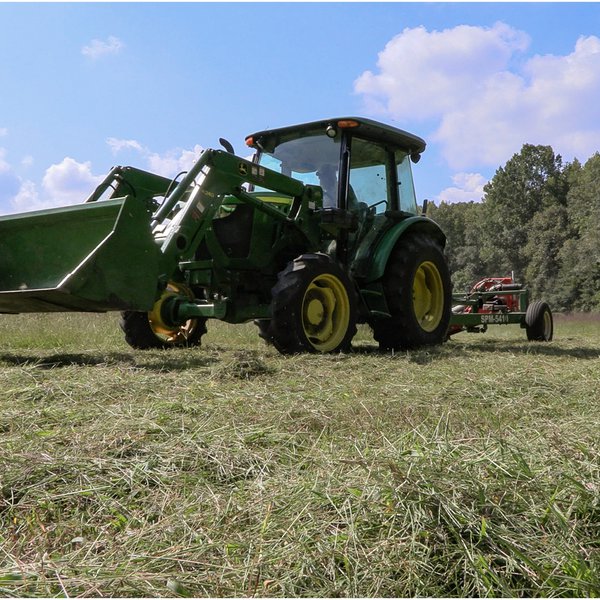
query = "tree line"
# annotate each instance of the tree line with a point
(538, 218)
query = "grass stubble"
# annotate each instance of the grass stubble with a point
(469, 469)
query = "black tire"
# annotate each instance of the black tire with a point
(140, 334)
(264, 326)
(418, 292)
(313, 307)
(539, 323)
(145, 330)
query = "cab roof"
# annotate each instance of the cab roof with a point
(364, 127)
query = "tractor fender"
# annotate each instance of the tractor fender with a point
(378, 257)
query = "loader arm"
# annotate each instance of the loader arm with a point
(222, 174)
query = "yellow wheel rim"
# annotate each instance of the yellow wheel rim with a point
(325, 312)
(428, 296)
(171, 334)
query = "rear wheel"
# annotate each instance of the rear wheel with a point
(539, 323)
(145, 330)
(419, 296)
(313, 307)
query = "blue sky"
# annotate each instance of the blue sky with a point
(86, 86)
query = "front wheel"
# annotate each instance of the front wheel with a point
(313, 307)
(418, 292)
(146, 330)
(539, 323)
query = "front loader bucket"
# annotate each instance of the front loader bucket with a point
(96, 256)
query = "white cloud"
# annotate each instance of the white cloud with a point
(4, 166)
(3, 131)
(68, 182)
(117, 145)
(485, 108)
(168, 164)
(174, 161)
(9, 181)
(468, 187)
(27, 198)
(98, 48)
(424, 74)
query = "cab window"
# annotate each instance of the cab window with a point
(369, 176)
(312, 160)
(406, 188)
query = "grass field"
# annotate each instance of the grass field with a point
(470, 469)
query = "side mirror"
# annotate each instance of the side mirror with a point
(227, 145)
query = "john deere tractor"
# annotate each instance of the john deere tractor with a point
(318, 232)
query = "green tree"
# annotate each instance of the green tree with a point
(580, 254)
(529, 183)
(461, 223)
(549, 231)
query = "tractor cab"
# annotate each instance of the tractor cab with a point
(359, 163)
(363, 168)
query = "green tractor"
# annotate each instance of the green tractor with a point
(318, 232)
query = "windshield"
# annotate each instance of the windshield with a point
(312, 160)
